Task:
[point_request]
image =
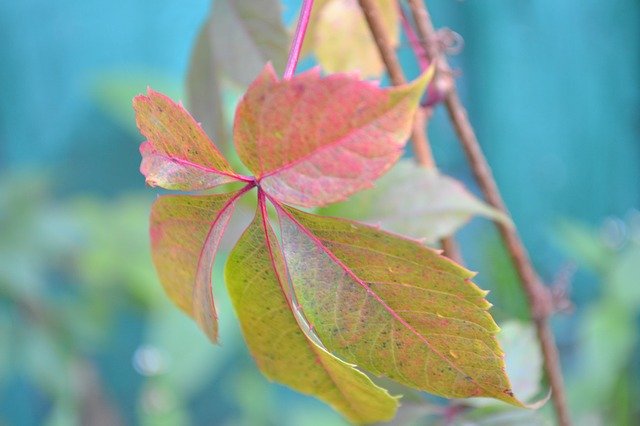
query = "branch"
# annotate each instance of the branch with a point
(421, 146)
(538, 295)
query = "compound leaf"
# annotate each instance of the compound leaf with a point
(185, 234)
(177, 154)
(313, 141)
(255, 277)
(394, 307)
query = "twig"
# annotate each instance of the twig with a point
(421, 146)
(298, 38)
(538, 295)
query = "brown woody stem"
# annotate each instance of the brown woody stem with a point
(539, 297)
(421, 146)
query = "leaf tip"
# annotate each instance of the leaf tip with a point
(537, 404)
(270, 72)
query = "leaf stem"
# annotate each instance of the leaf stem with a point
(420, 141)
(539, 296)
(298, 39)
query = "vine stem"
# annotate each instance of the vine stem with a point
(539, 297)
(298, 39)
(421, 146)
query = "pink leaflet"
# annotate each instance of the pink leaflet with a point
(312, 141)
(177, 154)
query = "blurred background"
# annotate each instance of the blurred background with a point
(86, 333)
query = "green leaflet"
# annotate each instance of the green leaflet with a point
(281, 349)
(394, 307)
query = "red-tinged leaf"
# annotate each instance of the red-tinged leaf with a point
(185, 233)
(313, 141)
(177, 154)
(284, 353)
(394, 307)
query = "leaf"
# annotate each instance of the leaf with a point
(205, 90)
(236, 41)
(412, 200)
(312, 141)
(524, 359)
(185, 234)
(245, 35)
(281, 349)
(177, 154)
(394, 307)
(342, 41)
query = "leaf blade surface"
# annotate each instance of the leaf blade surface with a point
(394, 307)
(313, 140)
(185, 233)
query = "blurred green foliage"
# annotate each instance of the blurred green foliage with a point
(604, 375)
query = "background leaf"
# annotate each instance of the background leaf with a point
(412, 200)
(341, 40)
(234, 44)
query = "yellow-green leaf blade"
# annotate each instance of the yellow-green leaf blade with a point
(394, 307)
(185, 234)
(281, 349)
(343, 40)
(177, 154)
